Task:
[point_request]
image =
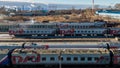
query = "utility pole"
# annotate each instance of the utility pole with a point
(93, 7)
(59, 57)
(92, 4)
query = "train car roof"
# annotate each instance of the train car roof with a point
(4, 51)
(57, 51)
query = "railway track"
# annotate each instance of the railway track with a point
(59, 40)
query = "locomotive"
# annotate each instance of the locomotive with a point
(44, 57)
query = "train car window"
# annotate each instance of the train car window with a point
(96, 31)
(61, 58)
(48, 31)
(52, 59)
(39, 26)
(81, 31)
(89, 58)
(96, 58)
(80, 26)
(24, 31)
(51, 26)
(75, 58)
(38, 31)
(43, 26)
(70, 26)
(99, 31)
(82, 58)
(35, 26)
(89, 31)
(43, 58)
(73, 26)
(30, 26)
(87, 26)
(27, 31)
(68, 58)
(77, 27)
(47, 26)
(83, 27)
(45, 31)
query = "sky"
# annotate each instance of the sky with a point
(99, 2)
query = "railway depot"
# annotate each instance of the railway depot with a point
(78, 41)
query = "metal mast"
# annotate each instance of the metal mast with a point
(92, 4)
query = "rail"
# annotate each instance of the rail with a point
(59, 40)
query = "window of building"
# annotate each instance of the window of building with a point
(43, 58)
(89, 58)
